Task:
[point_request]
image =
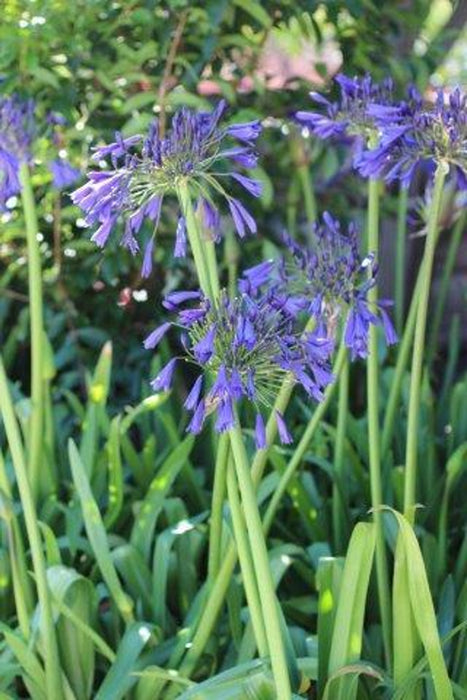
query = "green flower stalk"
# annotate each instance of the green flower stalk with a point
(256, 570)
(54, 688)
(339, 501)
(374, 431)
(399, 277)
(261, 565)
(246, 563)
(411, 450)
(36, 429)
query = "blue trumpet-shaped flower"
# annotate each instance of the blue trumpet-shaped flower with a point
(348, 117)
(17, 131)
(415, 132)
(328, 281)
(63, 173)
(197, 152)
(243, 349)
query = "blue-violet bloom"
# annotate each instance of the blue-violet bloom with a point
(243, 348)
(328, 280)
(416, 132)
(17, 129)
(195, 152)
(349, 118)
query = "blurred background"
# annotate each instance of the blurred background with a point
(107, 66)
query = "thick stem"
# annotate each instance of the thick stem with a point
(300, 159)
(22, 585)
(37, 330)
(246, 563)
(308, 192)
(218, 495)
(441, 296)
(292, 205)
(219, 589)
(211, 263)
(392, 404)
(419, 345)
(50, 647)
(399, 277)
(195, 239)
(338, 492)
(382, 577)
(231, 257)
(261, 564)
(305, 440)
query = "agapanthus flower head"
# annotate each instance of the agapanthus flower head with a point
(417, 132)
(16, 135)
(327, 280)
(63, 173)
(195, 152)
(348, 117)
(243, 349)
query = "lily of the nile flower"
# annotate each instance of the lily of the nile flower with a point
(414, 133)
(63, 173)
(17, 130)
(243, 349)
(197, 152)
(349, 117)
(329, 280)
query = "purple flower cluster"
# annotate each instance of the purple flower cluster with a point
(63, 173)
(349, 118)
(18, 130)
(414, 132)
(244, 348)
(16, 134)
(329, 281)
(196, 151)
(390, 137)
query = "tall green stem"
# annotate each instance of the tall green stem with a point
(218, 495)
(305, 440)
(419, 344)
(231, 256)
(246, 563)
(37, 330)
(50, 647)
(392, 404)
(22, 585)
(308, 192)
(302, 167)
(373, 431)
(292, 205)
(219, 589)
(195, 239)
(448, 267)
(261, 564)
(399, 277)
(338, 503)
(221, 584)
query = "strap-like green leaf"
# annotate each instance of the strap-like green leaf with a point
(97, 535)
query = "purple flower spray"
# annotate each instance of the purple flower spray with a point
(244, 349)
(196, 160)
(329, 281)
(17, 130)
